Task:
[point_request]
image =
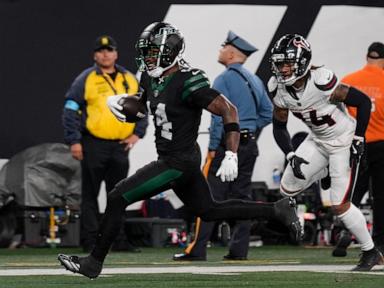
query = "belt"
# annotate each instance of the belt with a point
(246, 134)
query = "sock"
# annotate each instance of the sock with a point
(355, 222)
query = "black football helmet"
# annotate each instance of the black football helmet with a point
(160, 46)
(291, 48)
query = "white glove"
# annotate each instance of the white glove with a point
(228, 168)
(115, 107)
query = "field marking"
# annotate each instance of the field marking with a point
(216, 270)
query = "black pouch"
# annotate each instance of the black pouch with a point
(244, 136)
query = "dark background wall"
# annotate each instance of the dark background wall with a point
(44, 44)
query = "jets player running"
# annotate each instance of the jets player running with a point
(176, 94)
(314, 95)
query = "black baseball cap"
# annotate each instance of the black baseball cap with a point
(105, 41)
(376, 50)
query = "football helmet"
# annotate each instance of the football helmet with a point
(291, 49)
(160, 46)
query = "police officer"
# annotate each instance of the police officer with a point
(246, 91)
(95, 136)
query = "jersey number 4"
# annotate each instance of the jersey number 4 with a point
(162, 120)
(317, 121)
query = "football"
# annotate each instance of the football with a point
(133, 109)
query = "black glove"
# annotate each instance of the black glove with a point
(357, 150)
(295, 162)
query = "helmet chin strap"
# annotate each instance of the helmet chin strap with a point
(290, 81)
(294, 78)
(158, 71)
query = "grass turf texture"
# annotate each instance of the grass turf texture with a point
(150, 257)
(260, 279)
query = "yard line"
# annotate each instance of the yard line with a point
(216, 270)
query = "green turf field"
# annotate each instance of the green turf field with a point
(34, 258)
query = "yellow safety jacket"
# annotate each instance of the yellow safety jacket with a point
(86, 109)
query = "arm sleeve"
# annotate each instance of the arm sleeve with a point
(358, 99)
(74, 110)
(281, 135)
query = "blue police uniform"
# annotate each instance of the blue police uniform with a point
(247, 92)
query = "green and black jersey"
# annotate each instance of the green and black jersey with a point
(176, 103)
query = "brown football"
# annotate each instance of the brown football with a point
(133, 109)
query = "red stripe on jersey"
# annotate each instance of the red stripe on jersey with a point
(331, 84)
(293, 193)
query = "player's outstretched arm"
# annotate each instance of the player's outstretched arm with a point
(355, 98)
(280, 132)
(283, 140)
(220, 106)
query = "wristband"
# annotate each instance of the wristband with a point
(229, 127)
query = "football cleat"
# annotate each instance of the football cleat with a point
(285, 211)
(87, 266)
(368, 259)
(188, 257)
(342, 244)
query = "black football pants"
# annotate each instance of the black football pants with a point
(182, 174)
(371, 177)
(238, 189)
(104, 160)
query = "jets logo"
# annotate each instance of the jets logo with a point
(301, 44)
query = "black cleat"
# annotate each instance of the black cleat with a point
(342, 244)
(87, 266)
(285, 211)
(188, 257)
(368, 259)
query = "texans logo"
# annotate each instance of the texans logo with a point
(301, 44)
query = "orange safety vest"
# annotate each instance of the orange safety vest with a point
(370, 80)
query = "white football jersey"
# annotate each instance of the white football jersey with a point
(330, 123)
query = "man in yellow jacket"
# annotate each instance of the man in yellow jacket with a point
(95, 136)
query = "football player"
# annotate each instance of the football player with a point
(176, 94)
(314, 95)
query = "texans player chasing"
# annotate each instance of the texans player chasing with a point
(177, 94)
(314, 95)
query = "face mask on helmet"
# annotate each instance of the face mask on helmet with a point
(290, 59)
(160, 47)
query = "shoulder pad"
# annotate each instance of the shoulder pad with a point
(324, 79)
(196, 74)
(272, 85)
(194, 80)
(185, 69)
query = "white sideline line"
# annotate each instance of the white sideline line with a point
(378, 270)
